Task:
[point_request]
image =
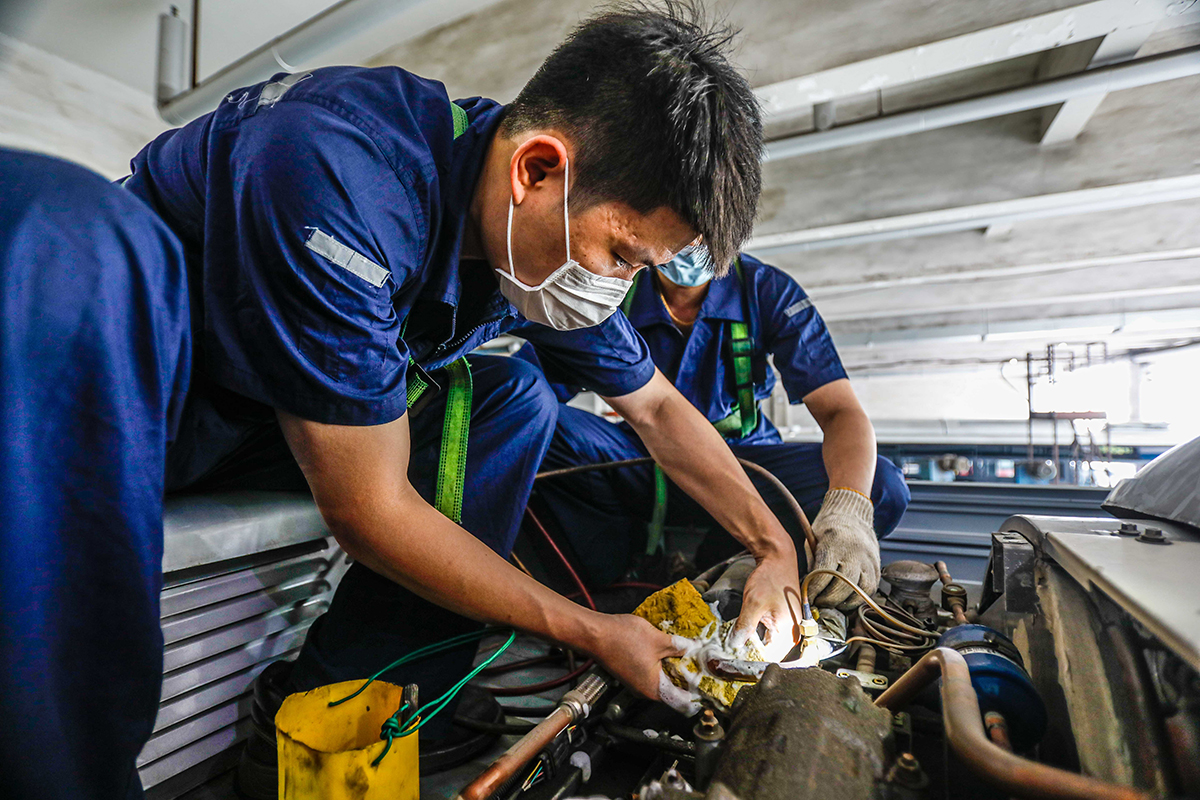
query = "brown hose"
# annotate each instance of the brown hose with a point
(766, 474)
(965, 732)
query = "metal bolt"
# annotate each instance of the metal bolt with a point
(879, 681)
(908, 762)
(1128, 529)
(708, 721)
(1154, 536)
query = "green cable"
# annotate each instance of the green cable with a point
(428, 650)
(391, 726)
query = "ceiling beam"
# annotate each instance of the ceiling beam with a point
(1064, 123)
(1089, 83)
(980, 216)
(1076, 24)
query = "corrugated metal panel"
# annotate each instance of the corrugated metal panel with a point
(954, 522)
(223, 623)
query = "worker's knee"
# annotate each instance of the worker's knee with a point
(890, 496)
(528, 400)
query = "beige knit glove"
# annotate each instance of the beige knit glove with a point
(845, 542)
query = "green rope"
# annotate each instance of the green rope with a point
(392, 727)
(428, 650)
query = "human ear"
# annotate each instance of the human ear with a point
(533, 162)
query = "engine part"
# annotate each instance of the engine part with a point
(726, 590)
(966, 736)
(802, 733)
(709, 736)
(999, 677)
(1163, 489)
(954, 600)
(911, 583)
(574, 705)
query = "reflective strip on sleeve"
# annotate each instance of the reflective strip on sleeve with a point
(796, 308)
(325, 245)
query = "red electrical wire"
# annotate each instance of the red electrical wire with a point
(574, 575)
(534, 688)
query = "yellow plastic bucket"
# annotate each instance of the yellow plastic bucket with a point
(326, 753)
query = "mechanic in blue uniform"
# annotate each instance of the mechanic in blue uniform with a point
(711, 338)
(94, 362)
(352, 234)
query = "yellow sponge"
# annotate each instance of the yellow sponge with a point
(680, 610)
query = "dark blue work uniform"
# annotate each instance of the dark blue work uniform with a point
(323, 216)
(602, 513)
(94, 362)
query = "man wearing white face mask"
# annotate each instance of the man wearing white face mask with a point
(571, 297)
(354, 235)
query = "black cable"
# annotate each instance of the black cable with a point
(532, 711)
(519, 729)
(636, 736)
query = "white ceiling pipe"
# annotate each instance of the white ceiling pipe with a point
(1127, 75)
(976, 217)
(172, 77)
(286, 53)
(830, 290)
(908, 312)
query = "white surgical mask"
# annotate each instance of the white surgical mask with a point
(572, 297)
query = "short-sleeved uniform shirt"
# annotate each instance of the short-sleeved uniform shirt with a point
(323, 215)
(781, 319)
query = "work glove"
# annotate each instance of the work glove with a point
(845, 531)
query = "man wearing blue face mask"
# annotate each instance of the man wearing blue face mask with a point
(711, 337)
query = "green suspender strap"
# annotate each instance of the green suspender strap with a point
(744, 418)
(452, 466)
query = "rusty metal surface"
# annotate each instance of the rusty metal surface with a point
(802, 733)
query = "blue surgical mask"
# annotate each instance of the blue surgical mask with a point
(689, 268)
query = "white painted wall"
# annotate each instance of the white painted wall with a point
(51, 105)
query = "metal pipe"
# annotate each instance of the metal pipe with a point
(965, 733)
(298, 46)
(172, 69)
(575, 704)
(943, 572)
(866, 658)
(974, 217)
(997, 730)
(1126, 75)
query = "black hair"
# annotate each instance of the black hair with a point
(658, 118)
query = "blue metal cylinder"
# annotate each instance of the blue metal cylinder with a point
(1000, 680)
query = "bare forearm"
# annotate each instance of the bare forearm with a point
(695, 456)
(849, 451)
(411, 543)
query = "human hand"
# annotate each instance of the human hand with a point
(764, 601)
(632, 650)
(846, 543)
